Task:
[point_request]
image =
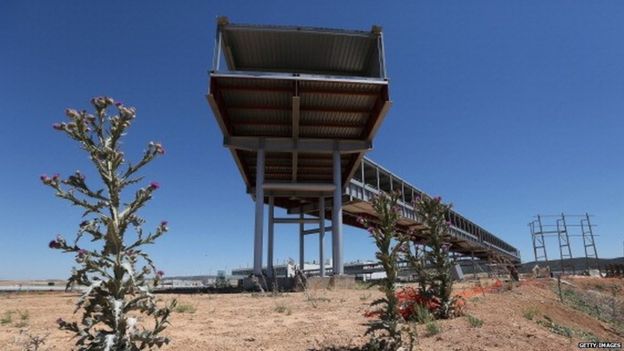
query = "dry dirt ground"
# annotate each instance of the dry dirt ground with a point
(332, 319)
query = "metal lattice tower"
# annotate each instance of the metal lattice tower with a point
(588, 241)
(565, 251)
(539, 244)
(561, 229)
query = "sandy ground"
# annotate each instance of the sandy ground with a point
(292, 322)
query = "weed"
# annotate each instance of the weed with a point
(422, 314)
(530, 312)
(361, 285)
(556, 328)
(365, 297)
(24, 315)
(432, 328)
(185, 308)
(7, 318)
(114, 270)
(32, 342)
(282, 308)
(475, 322)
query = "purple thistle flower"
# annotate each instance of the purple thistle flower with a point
(371, 230)
(160, 274)
(56, 177)
(53, 244)
(57, 126)
(154, 186)
(82, 253)
(164, 223)
(437, 199)
(44, 178)
(159, 149)
(361, 220)
(60, 320)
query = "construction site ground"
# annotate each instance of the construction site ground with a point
(527, 316)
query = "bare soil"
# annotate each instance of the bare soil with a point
(330, 320)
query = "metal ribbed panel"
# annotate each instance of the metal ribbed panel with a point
(355, 88)
(256, 98)
(339, 119)
(266, 130)
(342, 101)
(291, 50)
(260, 117)
(329, 132)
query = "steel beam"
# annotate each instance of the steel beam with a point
(338, 267)
(300, 145)
(271, 237)
(259, 213)
(301, 242)
(299, 186)
(316, 231)
(295, 220)
(322, 235)
(296, 111)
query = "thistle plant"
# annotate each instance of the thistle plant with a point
(113, 269)
(386, 238)
(435, 285)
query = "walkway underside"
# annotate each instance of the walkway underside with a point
(467, 237)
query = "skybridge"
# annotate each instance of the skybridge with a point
(299, 108)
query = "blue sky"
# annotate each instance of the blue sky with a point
(506, 109)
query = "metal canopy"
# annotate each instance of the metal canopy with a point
(300, 94)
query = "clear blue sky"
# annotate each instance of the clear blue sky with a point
(506, 109)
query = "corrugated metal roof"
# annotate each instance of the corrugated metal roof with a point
(302, 50)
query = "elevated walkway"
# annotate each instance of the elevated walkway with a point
(299, 108)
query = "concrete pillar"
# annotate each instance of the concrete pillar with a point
(259, 212)
(301, 241)
(337, 217)
(322, 235)
(271, 238)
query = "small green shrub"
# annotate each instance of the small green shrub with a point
(7, 318)
(530, 313)
(24, 315)
(423, 315)
(475, 322)
(556, 328)
(185, 308)
(432, 328)
(282, 308)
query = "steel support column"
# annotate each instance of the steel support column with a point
(301, 241)
(322, 235)
(337, 217)
(271, 237)
(259, 212)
